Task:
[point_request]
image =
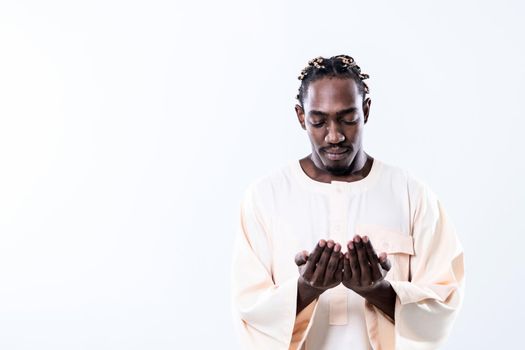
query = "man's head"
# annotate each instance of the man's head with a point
(333, 107)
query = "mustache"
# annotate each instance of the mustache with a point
(336, 149)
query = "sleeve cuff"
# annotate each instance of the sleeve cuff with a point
(408, 292)
(302, 325)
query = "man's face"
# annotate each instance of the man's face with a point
(334, 114)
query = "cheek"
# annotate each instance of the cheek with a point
(316, 135)
(354, 134)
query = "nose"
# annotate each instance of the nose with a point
(334, 135)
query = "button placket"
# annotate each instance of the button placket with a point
(338, 212)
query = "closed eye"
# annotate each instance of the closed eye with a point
(317, 125)
(351, 122)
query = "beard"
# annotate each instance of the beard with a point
(341, 167)
(339, 170)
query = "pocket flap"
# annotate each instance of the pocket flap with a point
(387, 240)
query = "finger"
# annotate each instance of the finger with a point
(364, 264)
(384, 262)
(339, 272)
(301, 258)
(354, 265)
(313, 259)
(374, 260)
(320, 270)
(331, 268)
(347, 271)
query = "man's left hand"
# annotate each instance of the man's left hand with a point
(364, 270)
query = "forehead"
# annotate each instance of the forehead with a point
(332, 94)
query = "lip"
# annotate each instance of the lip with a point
(337, 154)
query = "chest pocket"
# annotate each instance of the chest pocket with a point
(398, 245)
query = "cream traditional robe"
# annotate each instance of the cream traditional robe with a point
(287, 212)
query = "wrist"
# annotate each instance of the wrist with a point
(307, 290)
(377, 288)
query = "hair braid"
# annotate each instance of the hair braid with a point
(341, 66)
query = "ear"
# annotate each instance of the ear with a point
(366, 108)
(300, 116)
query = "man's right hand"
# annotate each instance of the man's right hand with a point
(318, 271)
(323, 268)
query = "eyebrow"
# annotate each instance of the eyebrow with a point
(338, 113)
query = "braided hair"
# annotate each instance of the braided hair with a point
(341, 66)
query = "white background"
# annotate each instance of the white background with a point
(129, 129)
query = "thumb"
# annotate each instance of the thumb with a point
(301, 258)
(384, 262)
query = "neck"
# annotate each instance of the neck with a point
(357, 170)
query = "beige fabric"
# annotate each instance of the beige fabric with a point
(286, 212)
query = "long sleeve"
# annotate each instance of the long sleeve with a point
(428, 303)
(264, 311)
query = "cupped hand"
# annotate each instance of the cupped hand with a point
(322, 269)
(363, 269)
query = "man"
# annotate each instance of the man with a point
(385, 269)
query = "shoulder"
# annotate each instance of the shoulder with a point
(263, 191)
(417, 189)
(272, 182)
(423, 203)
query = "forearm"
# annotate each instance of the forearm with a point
(305, 295)
(383, 297)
